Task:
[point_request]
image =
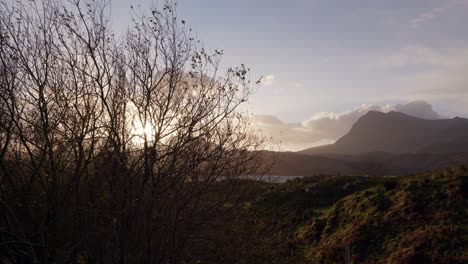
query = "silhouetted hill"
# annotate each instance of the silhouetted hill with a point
(383, 144)
(296, 164)
(397, 133)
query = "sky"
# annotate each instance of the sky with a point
(329, 59)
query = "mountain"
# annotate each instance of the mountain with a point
(398, 133)
(383, 144)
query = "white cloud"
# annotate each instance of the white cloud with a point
(268, 80)
(426, 16)
(417, 108)
(326, 127)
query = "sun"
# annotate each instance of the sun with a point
(142, 132)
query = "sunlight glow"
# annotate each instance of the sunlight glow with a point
(141, 132)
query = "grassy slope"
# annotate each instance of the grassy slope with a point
(414, 219)
(418, 222)
(418, 219)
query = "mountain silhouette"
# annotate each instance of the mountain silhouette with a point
(398, 144)
(398, 133)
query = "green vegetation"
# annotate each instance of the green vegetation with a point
(413, 219)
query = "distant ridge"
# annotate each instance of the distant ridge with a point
(398, 133)
(396, 143)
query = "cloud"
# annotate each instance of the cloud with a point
(326, 127)
(435, 12)
(426, 16)
(419, 109)
(437, 75)
(268, 80)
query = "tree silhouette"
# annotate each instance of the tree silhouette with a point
(78, 183)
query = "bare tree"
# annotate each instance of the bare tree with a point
(114, 150)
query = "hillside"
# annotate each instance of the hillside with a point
(298, 164)
(417, 219)
(398, 133)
